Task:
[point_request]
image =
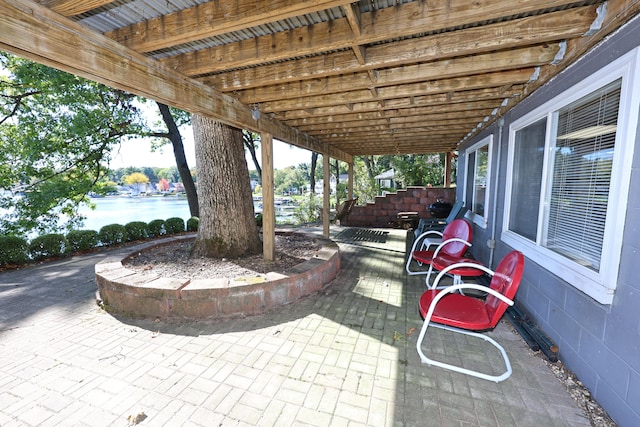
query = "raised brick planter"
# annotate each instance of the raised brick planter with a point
(384, 211)
(126, 292)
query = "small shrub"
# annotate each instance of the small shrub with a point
(174, 225)
(309, 209)
(82, 240)
(193, 223)
(157, 228)
(259, 220)
(112, 234)
(48, 246)
(136, 230)
(13, 250)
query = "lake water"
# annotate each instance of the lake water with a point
(121, 210)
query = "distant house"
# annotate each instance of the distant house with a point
(178, 187)
(558, 178)
(386, 181)
(319, 188)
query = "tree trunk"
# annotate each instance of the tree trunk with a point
(368, 162)
(314, 162)
(337, 166)
(227, 224)
(249, 139)
(181, 160)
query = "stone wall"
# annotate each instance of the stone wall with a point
(384, 210)
(130, 293)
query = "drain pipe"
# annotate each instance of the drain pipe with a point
(492, 242)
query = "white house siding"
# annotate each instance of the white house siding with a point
(598, 342)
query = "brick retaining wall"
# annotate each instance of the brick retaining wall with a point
(127, 292)
(385, 209)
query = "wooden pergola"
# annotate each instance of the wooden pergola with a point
(339, 77)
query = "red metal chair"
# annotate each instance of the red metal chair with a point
(447, 309)
(442, 261)
(456, 238)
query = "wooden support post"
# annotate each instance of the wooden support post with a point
(268, 198)
(350, 182)
(447, 169)
(326, 192)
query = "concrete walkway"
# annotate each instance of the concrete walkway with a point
(345, 357)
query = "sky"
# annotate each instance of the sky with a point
(137, 152)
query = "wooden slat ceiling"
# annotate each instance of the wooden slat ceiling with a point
(366, 77)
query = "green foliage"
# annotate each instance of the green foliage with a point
(13, 250)
(136, 230)
(193, 223)
(253, 174)
(341, 191)
(288, 179)
(251, 141)
(174, 225)
(57, 129)
(157, 228)
(112, 234)
(171, 174)
(308, 209)
(259, 220)
(150, 173)
(419, 169)
(105, 186)
(364, 185)
(82, 240)
(48, 246)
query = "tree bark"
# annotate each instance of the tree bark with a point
(336, 165)
(368, 162)
(250, 142)
(181, 159)
(227, 225)
(314, 163)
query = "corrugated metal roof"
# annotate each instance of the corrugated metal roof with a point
(122, 13)
(370, 91)
(251, 33)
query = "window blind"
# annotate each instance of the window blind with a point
(581, 175)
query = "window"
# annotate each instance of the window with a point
(477, 178)
(568, 179)
(527, 179)
(579, 182)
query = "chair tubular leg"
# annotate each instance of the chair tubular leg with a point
(429, 361)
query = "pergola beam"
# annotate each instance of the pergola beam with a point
(427, 72)
(418, 101)
(497, 80)
(35, 32)
(212, 19)
(376, 26)
(73, 7)
(524, 32)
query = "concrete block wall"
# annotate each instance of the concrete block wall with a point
(599, 343)
(384, 210)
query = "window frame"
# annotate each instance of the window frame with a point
(480, 220)
(599, 285)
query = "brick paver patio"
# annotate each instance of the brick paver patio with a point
(344, 357)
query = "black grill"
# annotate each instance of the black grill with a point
(440, 209)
